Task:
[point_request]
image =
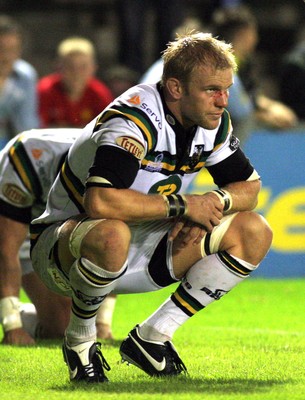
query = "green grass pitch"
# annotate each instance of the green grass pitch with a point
(250, 345)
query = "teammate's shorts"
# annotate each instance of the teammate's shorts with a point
(150, 264)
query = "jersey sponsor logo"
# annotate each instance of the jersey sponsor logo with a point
(132, 146)
(152, 115)
(195, 158)
(37, 153)
(135, 100)
(14, 194)
(234, 143)
(167, 186)
(156, 165)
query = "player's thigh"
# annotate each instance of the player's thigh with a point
(44, 300)
(184, 258)
(48, 304)
(149, 259)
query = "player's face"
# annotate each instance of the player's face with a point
(244, 42)
(76, 70)
(10, 49)
(205, 98)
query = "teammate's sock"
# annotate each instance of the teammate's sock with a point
(105, 313)
(208, 280)
(90, 285)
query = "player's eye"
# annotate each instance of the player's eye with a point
(219, 92)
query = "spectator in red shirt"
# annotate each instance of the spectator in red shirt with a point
(73, 96)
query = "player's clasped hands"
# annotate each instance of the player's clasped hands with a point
(204, 212)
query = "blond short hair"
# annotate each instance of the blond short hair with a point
(195, 50)
(75, 45)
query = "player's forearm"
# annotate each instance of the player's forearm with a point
(10, 283)
(10, 276)
(124, 204)
(244, 195)
(12, 235)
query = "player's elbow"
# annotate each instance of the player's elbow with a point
(254, 204)
(93, 206)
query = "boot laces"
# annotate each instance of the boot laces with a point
(93, 369)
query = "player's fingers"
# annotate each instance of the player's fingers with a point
(193, 236)
(214, 220)
(218, 214)
(175, 231)
(201, 234)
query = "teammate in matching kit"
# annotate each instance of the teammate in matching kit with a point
(28, 166)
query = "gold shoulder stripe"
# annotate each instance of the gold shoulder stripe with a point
(98, 179)
(133, 118)
(70, 185)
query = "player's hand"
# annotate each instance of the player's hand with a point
(277, 115)
(186, 232)
(205, 210)
(18, 337)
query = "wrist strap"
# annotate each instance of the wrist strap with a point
(10, 313)
(176, 205)
(225, 198)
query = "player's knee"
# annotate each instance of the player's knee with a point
(256, 230)
(110, 236)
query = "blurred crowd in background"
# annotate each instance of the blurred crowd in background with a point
(128, 36)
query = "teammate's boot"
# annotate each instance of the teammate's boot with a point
(153, 357)
(85, 362)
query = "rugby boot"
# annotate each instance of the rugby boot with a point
(153, 357)
(85, 362)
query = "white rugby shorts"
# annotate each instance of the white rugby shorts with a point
(149, 259)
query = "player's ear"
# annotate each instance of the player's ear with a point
(174, 87)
